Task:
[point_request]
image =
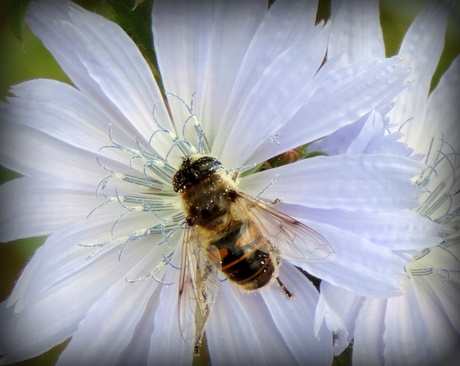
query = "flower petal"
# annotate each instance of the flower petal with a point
(109, 324)
(356, 34)
(403, 324)
(424, 37)
(167, 344)
(338, 98)
(440, 305)
(157, 338)
(206, 60)
(441, 151)
(339, 308)
(235, 311)
(368, 343)
(366, 136)
(365, 268)
(286, 35)
(365, 182)
(442, 106)
(263, 114)
(79, 247)
(31, 152)
(437, 276)
(103, 62)
(262, 316)
(294, 318)
(58, 110)
(60, 284)
(71, 123)
(40, 206)
(400, 230)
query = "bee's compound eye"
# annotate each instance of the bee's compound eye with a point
(231, 193)
(207, 164)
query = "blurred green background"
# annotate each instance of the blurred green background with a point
(26, 58)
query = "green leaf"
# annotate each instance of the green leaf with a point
(16, 13)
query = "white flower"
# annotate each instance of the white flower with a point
(244, 83)
(421, 327)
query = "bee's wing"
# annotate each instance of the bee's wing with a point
(197, 290)
(292, 238)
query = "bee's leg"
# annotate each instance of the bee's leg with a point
(234, 175)
(288, 293)
(274, 202)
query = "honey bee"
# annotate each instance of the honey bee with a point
(232, 233)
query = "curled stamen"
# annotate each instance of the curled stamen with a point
(446, 249)
(203, 144)
(167, 132)
(184, 146)
(269, 184)
(272, 139)
(184, 103)
(159, 126)
(404, 123)
(445, 142)
(445, 273)
(98, 207)
(117, 145)
(452, 166)
(166, 260)
(124, 214)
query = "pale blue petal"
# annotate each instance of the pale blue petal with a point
(245, 326)
(440, 303)
(32, 152)
(356, 34)
(81, 247)
(400, 230)
(276, 98)
(59, 286)
(199, 48)
(40, 206)
(59, 110)
(241, 330)
(157, 338)
(442, 116)
(59, 138)
(338, 98)
(339, 308)
(405, 331)
(295, 317)
(265, 95)
(103, 62)
(422, 47)
(358, 264)
(368, 342)
(365, 182)
(367, 136)
(167, 344)
(109, 324)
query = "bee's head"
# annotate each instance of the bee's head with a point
(193, 170)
